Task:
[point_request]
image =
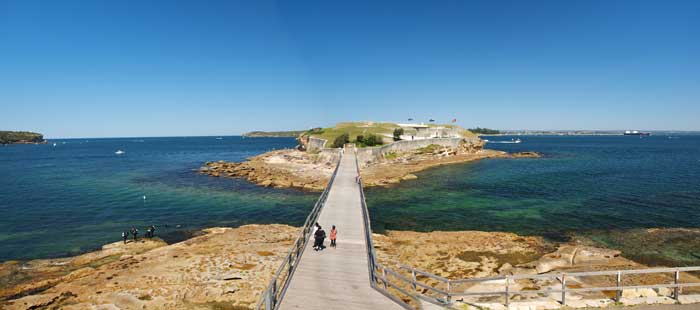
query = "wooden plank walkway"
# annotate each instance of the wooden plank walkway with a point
(337, 278)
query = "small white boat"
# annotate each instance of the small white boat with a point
(119, 152)
(517, 140)
(54, 145)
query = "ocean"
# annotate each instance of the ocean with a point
(78, 195)
(607, 188)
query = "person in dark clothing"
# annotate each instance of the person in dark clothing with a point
(153, 230)
(135, 232)
(320, 236)
(125, 235)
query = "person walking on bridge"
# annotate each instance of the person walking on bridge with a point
(334, 234)
(319, 235)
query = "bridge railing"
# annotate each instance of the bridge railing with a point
(612, 279)
(272, 296)
(383, 279)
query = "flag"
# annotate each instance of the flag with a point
(454, 120)
(432, 120)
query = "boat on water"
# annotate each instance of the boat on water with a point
(119, 152)
(517, 140)
(636, 133)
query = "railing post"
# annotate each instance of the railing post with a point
(618, 292)
(676, 281)
(563, 289)
(413, 274)
(273, 292)
(268, 300)
(449, 292)
(384, 278)
(507, 293)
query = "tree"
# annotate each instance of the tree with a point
(373, 140)
(341, 140)
(360, 139)
(398, 132)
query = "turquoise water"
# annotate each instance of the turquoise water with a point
(74, 197)
(605, 187)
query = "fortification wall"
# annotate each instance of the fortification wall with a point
(315, 144)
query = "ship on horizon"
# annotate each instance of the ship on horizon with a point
(636, 133)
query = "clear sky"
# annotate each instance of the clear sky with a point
(164, 68)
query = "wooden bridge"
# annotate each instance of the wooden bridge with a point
(348, 277)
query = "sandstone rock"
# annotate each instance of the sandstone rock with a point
(409, 177)
(639, 292)
(591, 255)
(506, 268)
(664, 291)
(547, 264)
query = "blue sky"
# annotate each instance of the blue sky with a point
(163, 68)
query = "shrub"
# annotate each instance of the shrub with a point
(360, 139)
(373, 140)
(341, 140)
(397, 134)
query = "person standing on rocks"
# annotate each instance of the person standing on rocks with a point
(125, 235)
(334, 234)
(135, 232)
(153, 230)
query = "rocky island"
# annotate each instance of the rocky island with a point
(21, 137)
(388, 153)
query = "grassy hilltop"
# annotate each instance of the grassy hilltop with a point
(365, 130)
(9, 137)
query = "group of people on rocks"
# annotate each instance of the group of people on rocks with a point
(320, 236)
(150, 232)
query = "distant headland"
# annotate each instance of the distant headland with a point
(274, 134)
(21, 137)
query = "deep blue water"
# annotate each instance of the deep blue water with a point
(79, 195)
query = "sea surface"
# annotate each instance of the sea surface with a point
(78, 195)
(607, 188)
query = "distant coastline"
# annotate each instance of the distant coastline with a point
(586, 133)
(21, 137)
(273, 134)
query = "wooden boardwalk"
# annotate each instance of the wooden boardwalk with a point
(337, 278)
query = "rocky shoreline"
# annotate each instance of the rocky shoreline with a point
(228, 268)
(281, 169)
(311, 171)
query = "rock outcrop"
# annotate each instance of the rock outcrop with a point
(283, 169)
(227, 268)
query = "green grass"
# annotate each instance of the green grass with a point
(353, 129)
